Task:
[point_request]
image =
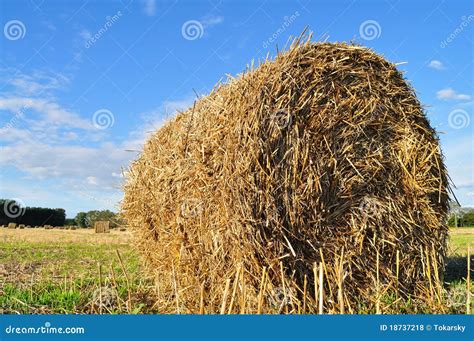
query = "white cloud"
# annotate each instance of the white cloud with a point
(69, 135)
(50, 145)
(450, 94)
(436, 64)
(70, 196)
(43, 155)
(38, 83)
(85, 34)
(211, 20)
(52, 114)
(12, 134)
(91, 180)
(40, 160)
(149, 7)
(54, 147)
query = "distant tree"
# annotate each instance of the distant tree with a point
(58, 218)
(455, 213)
(70, 222)
(451, 221)
(87, 219)
(461, 218)
(81, 219)
(468, 218)
(104, 215)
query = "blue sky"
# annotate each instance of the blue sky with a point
(84, 82)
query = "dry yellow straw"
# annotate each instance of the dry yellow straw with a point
(321, 288)
(224, 299)
(290, 162)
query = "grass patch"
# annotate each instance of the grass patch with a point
(459, 242)
(64, 277)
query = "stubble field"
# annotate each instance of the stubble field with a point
(79, 271)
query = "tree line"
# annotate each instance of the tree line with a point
(461, 218)
(87, 219)
(12, 211)
(15, 212)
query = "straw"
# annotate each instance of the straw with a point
(324, 148)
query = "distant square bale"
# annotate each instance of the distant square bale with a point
(12, 225)
(73, 227)
(21, 226)
(102, 226)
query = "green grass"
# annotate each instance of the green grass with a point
(47, 297)
(459, 242)
(65, 278)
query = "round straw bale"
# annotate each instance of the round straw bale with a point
(321, 161)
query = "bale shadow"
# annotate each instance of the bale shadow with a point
(456, 268)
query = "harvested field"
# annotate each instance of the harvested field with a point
(61, 236)
(50, 271)
(57, 271)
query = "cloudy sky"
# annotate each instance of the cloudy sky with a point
(83, 82)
